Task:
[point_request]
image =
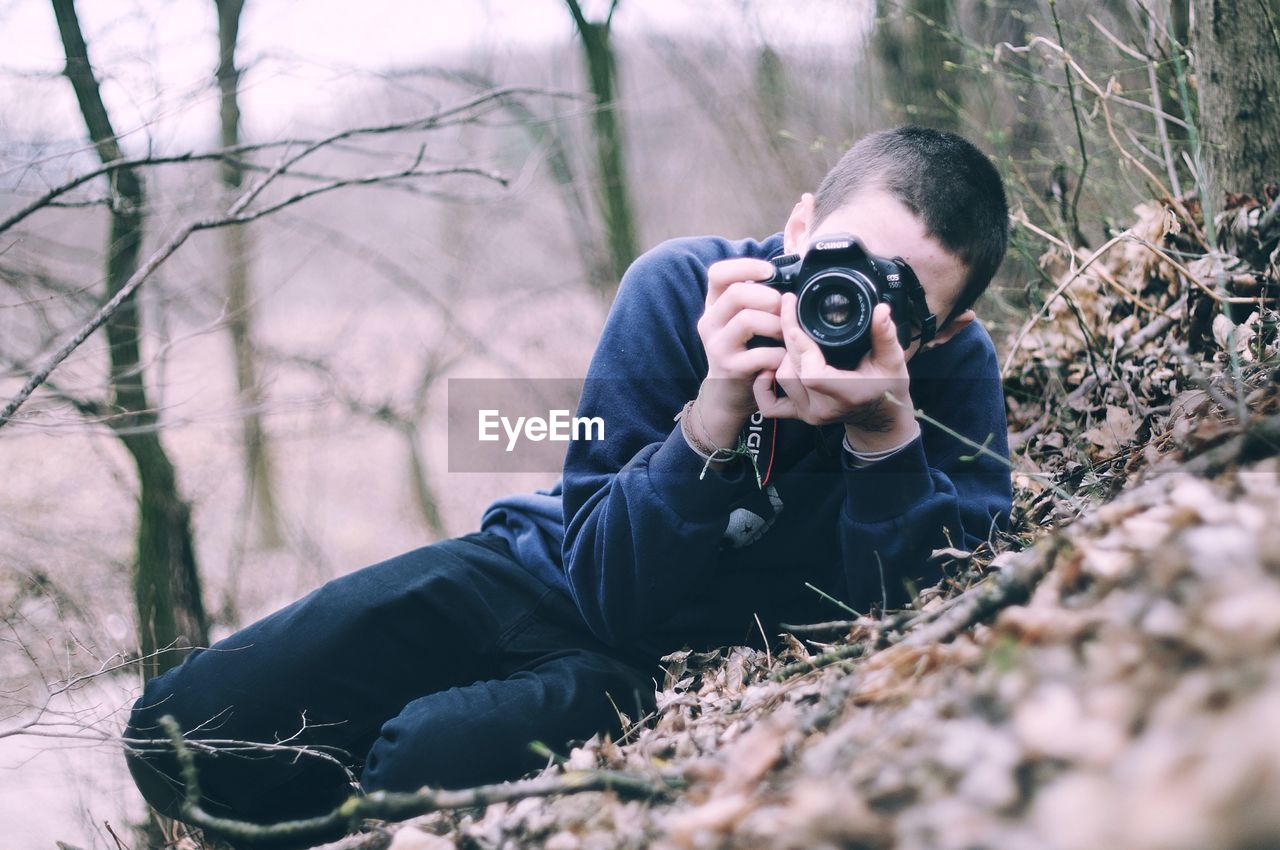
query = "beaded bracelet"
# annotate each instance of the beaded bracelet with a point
(708, 450)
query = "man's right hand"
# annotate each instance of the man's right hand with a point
(736, 310)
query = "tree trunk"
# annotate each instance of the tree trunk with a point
(424, 496)
(615, 193)
(166, 579)
(1237, 68)
(913, 49)
(595, 264)
(549, 134)
(259, 481)
(770, 80)
(167, 585)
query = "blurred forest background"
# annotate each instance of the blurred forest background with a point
(306, 241)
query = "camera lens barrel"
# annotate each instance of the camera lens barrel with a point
(834, 309)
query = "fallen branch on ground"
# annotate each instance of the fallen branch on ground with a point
(1257, 442)
(1011, 586)
(389, 806)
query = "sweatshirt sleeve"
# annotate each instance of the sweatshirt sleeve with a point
(641, 528)
(939, 490)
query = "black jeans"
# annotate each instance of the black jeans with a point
(437, 667)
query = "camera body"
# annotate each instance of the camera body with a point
(837, 284)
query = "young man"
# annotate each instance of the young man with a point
(441, 666)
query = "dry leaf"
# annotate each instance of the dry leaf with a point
(1118, 429)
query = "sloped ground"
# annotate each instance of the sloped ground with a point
(1131, 702)
(1107, 676)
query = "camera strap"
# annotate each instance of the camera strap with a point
(773, 450)
(915, 292)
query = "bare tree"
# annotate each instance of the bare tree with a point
(547, 132)
(405, 420)
(237, 248)
(166, 580)
(165, 573)
(250, 206)
(610, 153)
(770, 83)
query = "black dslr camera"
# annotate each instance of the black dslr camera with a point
(837, 285)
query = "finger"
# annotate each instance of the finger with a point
(847, 385)
(747, 324)
(741, 296)
(885, 348)
(796, 340)
(726, 272)
(789, 380)
(813, 363)
(752, 361)
(768, 402)
(807, 358)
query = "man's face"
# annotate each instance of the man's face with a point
(887, 228)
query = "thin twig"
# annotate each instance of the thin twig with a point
(1104, 96)
(392, 806)
(831, 599)
(1062, 287)
(1011, 586)
(1074, 223)
(817, 662)
(434, 121)
(1078, 254)
(1127, 236)
(1201, 380)
(817, 628)
(981, 449)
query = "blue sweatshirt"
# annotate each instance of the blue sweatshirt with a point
(656, 558)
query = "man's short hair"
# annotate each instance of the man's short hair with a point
(943, 179)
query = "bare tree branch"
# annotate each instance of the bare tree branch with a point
(407, 282)
(85, 406)
(236, 215)
(434, 121)
(544, 133)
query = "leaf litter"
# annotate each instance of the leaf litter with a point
(1129, 699)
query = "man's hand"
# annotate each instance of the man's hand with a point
(736, 310)
(820, 394)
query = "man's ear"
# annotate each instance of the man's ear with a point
(954, 327)
(795, 236)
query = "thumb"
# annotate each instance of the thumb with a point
(884, 336)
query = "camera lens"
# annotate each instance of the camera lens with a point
(834, 309)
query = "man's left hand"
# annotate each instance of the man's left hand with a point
(820, 394)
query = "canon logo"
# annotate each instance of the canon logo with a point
(831, 246)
